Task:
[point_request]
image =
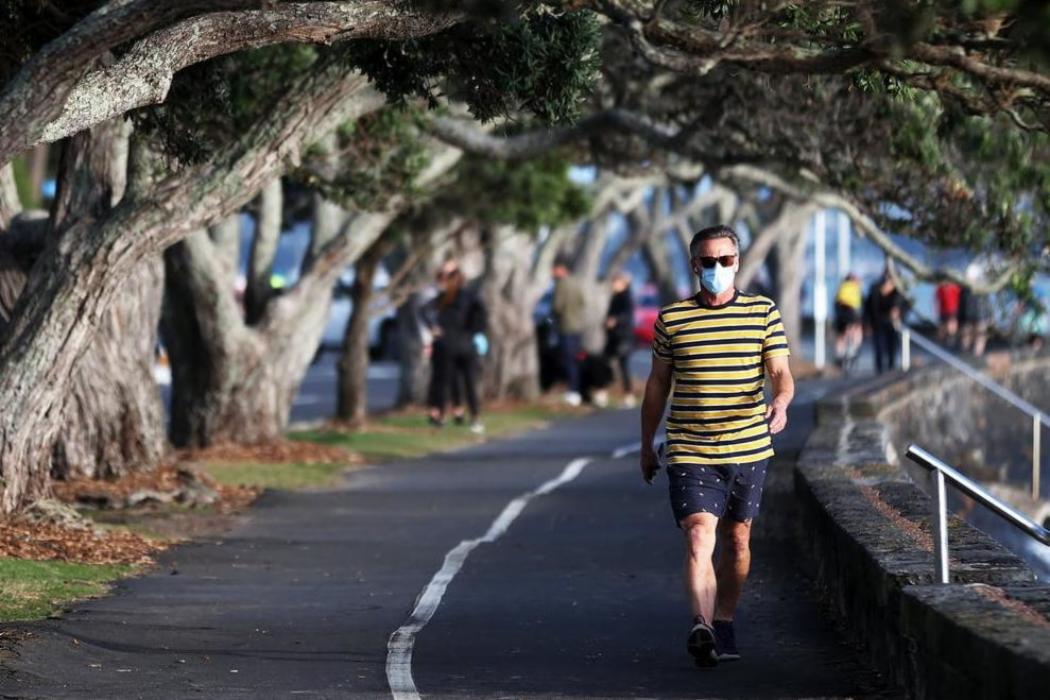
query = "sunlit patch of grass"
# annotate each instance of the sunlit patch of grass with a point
(31, 590)
(286, 476)
(408, 435)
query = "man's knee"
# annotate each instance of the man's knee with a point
(736, 537)
(700, 531)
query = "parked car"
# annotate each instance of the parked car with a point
(646, 309)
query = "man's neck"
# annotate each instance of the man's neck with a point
(717, 299)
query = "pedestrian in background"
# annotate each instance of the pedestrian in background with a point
(883, 311)
(948, 296)
(569, 307)
(975, 314)
(849, 332)
(455, 316)
(619, 332)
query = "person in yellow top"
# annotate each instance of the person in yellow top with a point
(718, 347)
(849, 331)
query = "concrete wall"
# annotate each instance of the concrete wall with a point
(868, 546)
(968, 426)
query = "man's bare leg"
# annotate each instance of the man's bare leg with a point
(734, 563)
(700, 581)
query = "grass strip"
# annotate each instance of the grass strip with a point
(404, 436)
(287, 476)
(34, 589)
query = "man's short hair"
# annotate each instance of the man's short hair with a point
(711, 233)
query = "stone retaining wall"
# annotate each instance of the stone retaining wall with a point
(867, 543)
(970, 427)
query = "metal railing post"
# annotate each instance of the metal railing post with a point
(1037, 426)
(942, 473)
(905, 348)
(940, 527)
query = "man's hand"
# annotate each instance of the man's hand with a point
(650, 463)
(776, 416)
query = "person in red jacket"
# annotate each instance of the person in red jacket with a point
(948, 297)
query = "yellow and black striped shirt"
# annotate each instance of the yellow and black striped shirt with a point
(718, 353)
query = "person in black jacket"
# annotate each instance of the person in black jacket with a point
(619, 331)
(455, 317)
(883, 310)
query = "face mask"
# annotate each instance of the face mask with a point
(717, 279)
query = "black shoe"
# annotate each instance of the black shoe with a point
(701, 644)
(725, 641)
(436, 422)
(459, 419)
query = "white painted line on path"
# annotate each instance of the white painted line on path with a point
(399, 647)
(626, 450)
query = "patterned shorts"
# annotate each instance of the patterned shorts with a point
(732, 490)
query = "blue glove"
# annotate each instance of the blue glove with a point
(481, 344)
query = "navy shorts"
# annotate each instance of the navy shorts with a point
(733, 490)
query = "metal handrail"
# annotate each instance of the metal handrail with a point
(1039, 418)
(939, 471)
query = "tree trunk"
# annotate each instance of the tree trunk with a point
(77, 276)
(352, 403)
(113, 421)
(37, 170)
(230, 383)
(10, 204)
(661, 268)
(217, 364)
(235, 383)
(789, 271)
(511, 369)
(260, 265)
(415, 367)
(789, 219)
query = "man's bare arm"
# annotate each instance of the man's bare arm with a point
(656, 390)
(778, 370)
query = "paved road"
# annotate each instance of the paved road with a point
(316, 397)
(579, 599)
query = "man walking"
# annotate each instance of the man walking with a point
(717, 347)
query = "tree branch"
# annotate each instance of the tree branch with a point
(73, 97)
(204, 274)
(465, 135)
(791, 217)
(401, 285)
(36, 94)
(355, 236)
(868, 228)
(757, 43)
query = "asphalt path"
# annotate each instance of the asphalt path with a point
(579, 598)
